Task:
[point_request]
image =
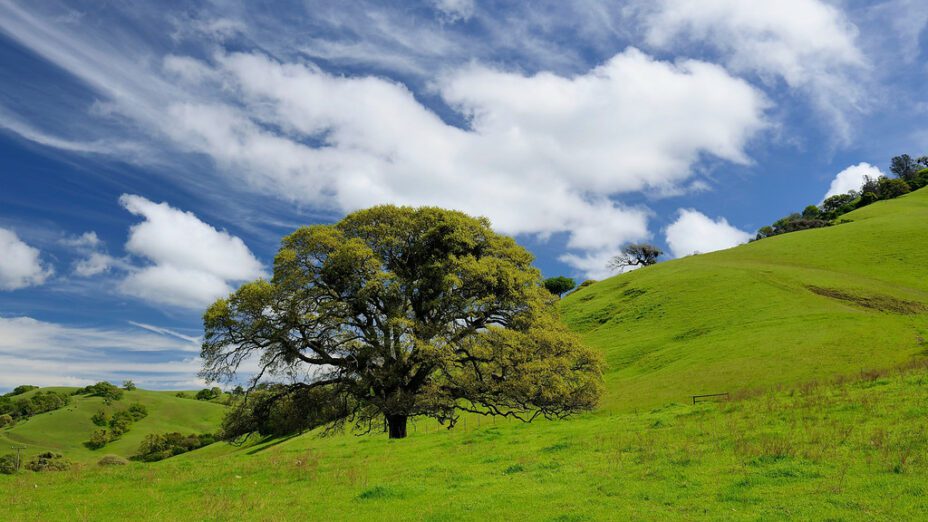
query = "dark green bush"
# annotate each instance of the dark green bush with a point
(19, 390)
(101, 418)
(208, 394)
(48, 462)
(155, 446)
(6, 420)
(109, 392)
(8, 464)
(98, 439)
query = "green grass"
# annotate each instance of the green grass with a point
(65, 430)
(751, 316)
(851, 450)
(777, 323)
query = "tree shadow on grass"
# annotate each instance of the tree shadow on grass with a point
(264, 444)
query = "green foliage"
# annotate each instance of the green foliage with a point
(19, 390)
(587, 283)
(101, 418)
(8, 464)
(892, 188)
(98, 439)
(636, 254)
(6, 420)
(128, 385)
(157, 447)
(118, 423)
(411, 312)
(277, 410)
(48, 461)
(39, 402)
(811, 212)
(109, 392)
(208, 394)
(559, 285)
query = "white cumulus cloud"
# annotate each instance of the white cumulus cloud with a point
(852, 178)
(694, 232)
(20, 264)
(541, 154)
(192, 263)
(808, 44)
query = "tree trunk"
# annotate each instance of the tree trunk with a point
(397, 426)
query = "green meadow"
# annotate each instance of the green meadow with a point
(818, 336)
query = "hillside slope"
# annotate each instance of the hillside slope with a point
(782, 310)
(65, 430)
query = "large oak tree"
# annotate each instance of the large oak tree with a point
(396, 312)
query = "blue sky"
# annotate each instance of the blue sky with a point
(153, 154)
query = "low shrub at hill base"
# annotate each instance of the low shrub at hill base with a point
(48, 462)
(8, 464)
(112, 460)
(6, 420)
(157, 446)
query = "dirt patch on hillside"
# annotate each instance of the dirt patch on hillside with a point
(881, 303)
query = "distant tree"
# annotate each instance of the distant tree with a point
(128, 385)
(904, 166)
(395, 312)
(812, 212)
(636, 254)
(871, 184)
(108, 391)
(839, 204)
(101, 418)
(238, 391)
(919, 180)
(98, 439)
(867, 198)
(6, 420)
(208, 394)
(559, 285)
(892, 188)
(19, 390)
(765, 231)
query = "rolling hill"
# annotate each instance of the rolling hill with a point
(65, 430)
(819, 335)
(782, 310)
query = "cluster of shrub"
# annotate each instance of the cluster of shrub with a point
(13, 409)
(911, 174)
(159, 446)
(211, 394)
(115, 425)
(109, 392)
(47, 461)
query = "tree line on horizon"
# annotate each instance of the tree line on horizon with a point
(910, 174)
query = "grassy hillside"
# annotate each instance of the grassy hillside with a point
(65, 430)
(797, 316)
(848, 450)
(782, 310)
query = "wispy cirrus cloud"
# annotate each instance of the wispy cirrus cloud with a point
(47, 353)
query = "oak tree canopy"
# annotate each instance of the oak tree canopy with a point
(398, 312)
